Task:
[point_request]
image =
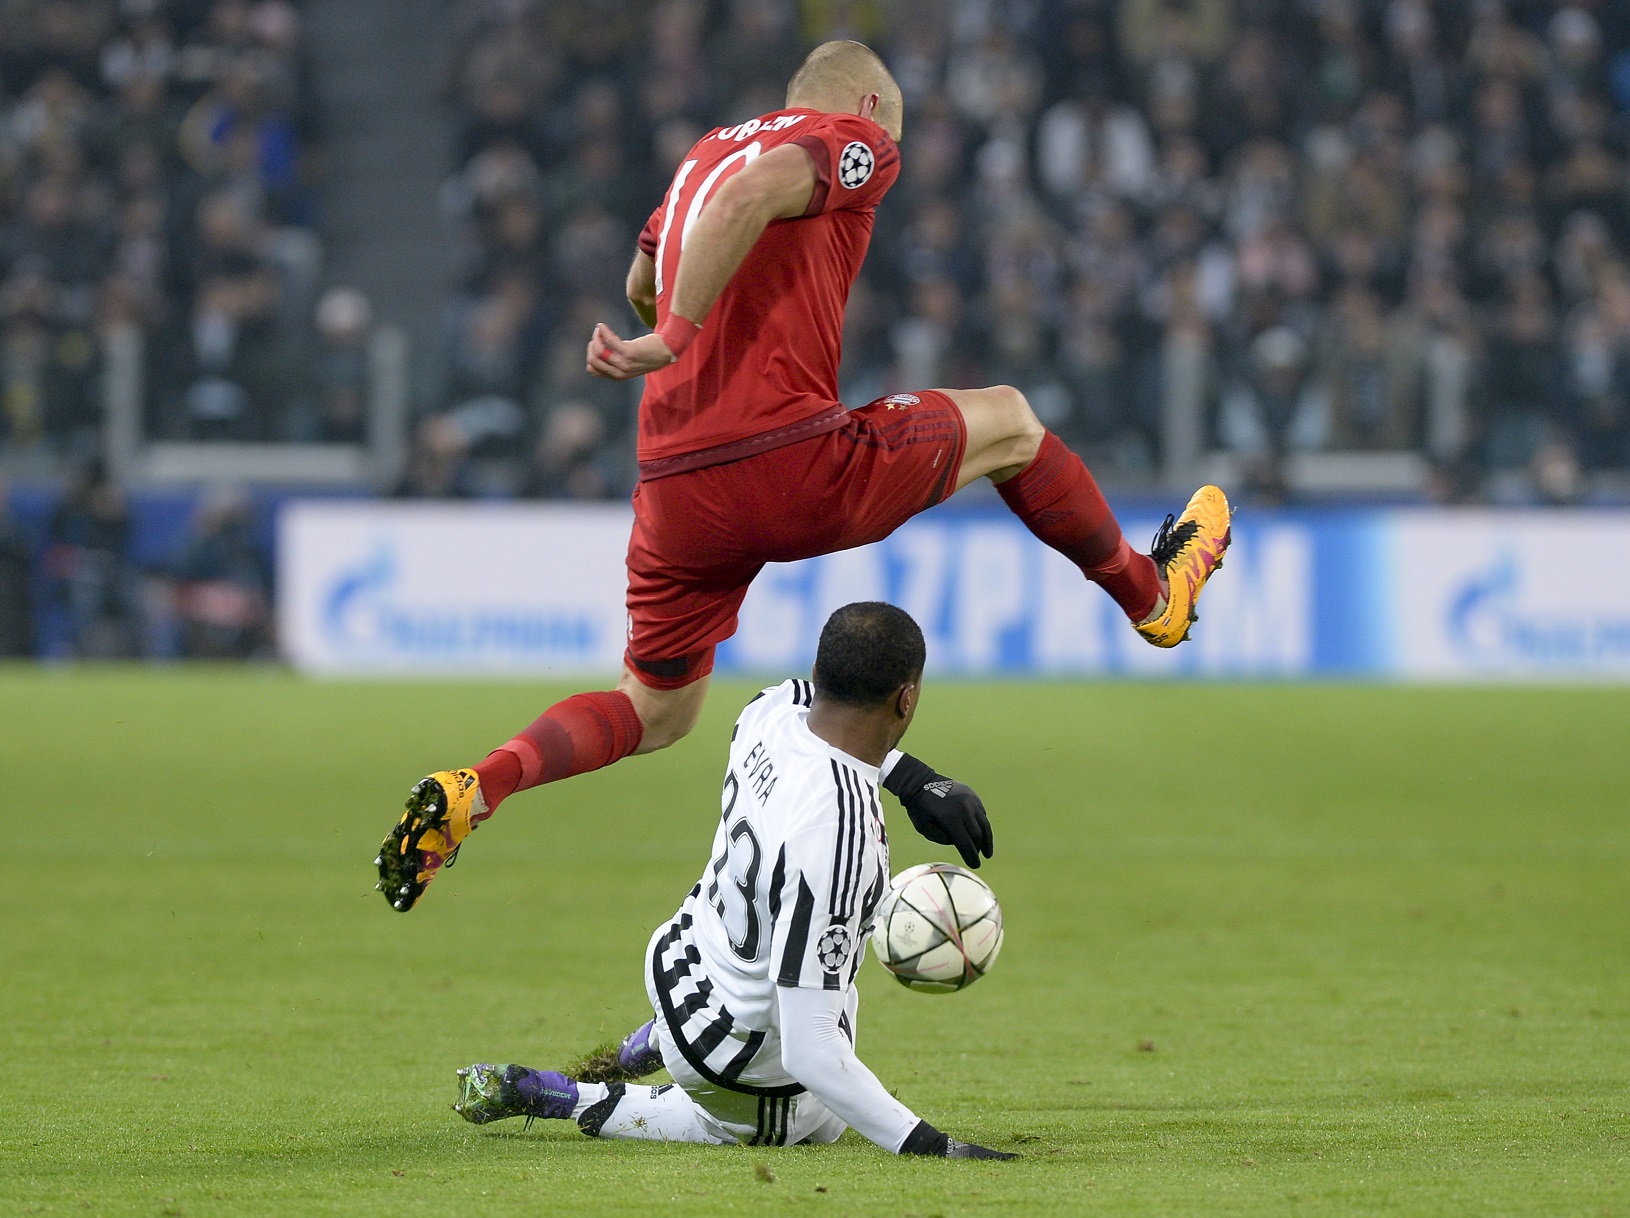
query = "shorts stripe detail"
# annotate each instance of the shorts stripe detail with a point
(701, 1028)
(740, 1062)
(696, 1002)
(667, 670)
(774, 1118)
(713, 1035)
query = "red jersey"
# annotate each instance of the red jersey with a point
(763, 372)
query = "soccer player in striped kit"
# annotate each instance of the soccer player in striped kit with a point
(753, 980)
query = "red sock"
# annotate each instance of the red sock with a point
(1059, 501)
(585, 732)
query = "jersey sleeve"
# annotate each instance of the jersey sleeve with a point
(650, 234)
(855, 162)
(820, 911)
(818, 1049)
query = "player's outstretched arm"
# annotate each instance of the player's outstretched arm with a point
(775, 186)
(816, 1052)
(941, 809)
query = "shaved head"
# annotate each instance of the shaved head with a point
(842, 78)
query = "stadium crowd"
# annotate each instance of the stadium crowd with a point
(1339, 224)
(1395, 225)
(156, 162)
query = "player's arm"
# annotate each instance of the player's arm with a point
(641, 288)
(818, 927)
(941, 809)
(776, 186)
(816, 1052)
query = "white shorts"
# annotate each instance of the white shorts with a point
(740, 1116)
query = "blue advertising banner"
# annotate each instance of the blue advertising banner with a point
(1380, 594)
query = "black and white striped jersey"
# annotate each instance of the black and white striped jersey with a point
(800, 861)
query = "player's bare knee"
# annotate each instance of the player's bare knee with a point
(1028, 435)
(1024, 431)
(666, 715)
(664, 729)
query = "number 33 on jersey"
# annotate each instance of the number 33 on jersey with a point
(800, 862)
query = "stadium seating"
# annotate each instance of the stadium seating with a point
(1268, 228)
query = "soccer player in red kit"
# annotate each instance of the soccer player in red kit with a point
(746, 455)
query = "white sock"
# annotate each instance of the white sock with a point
(588, 1094)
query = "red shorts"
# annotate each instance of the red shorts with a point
(701, 537)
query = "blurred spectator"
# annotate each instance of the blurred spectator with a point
(235, 351)
(1274, 404)
(239, 132)
(49, 366)
(1598, 358)
(223, 591)
(88, 567)
(571, 461)
(16, 584)
(1554, 469)
(1366, 366)
(340, 374)
(1525, 390)
(439, 464)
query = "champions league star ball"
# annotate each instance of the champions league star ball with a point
(938, 928)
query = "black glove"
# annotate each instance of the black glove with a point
(968, 1150)
(924, 1139)
(942, 810)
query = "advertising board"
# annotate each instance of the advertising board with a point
(537, 590)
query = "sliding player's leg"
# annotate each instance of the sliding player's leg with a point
(682, 1113)
(640, 1113)
(1049, 488)
(662, 1113)
(666, 1112)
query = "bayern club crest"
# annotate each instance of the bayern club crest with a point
(832, 949)
(855, 165)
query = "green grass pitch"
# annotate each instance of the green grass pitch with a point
(1270, 950)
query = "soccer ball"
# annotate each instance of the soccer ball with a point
(938, 928)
